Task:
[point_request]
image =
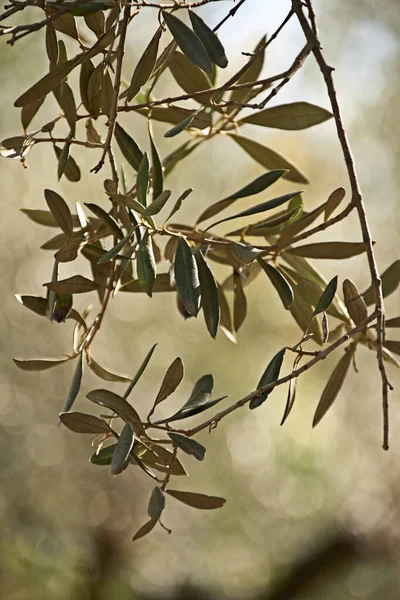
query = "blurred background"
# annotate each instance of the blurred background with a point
(310, 514)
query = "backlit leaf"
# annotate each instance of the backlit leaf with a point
(158, 204)
(75, 385)
(279, 282)
(332, 250)
(297, 115)
(291, 397)
(186, 277)
(210, 40)
(118, 405)
(201, 501)
(83, 423)
(225, 322)
(393, 346)
(327, 297)
(129, 148)
(270, 375)
(139, 372)
(181, 126)
(390, 282)
(157, 174)
(121, 454)
(146, 265)
(103, 457)
(106, 374)
(107, 219)
(36, 304)
(188, 445)
(77, 284)
(172, 379)
(162, 283)
(334, 385)
(144, 67)
(354, 302)
(178, 204)
(189, 77)
(188, 42)
(246, 74)
(156, 504)
(333, 202)
(177, 114)
(60, 211)
(209, 295)
(29, 111)
(147, 527)
(142, 180)
(38, 364)
(239, 302)
(66, 164)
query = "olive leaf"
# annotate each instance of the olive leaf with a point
(279, 282)
(297, 115)
(239, 302)
(144, 68)
(333, 202)
(75, 385)
(201, 501)
(128, 147)
(172, 379)
(77, 284)
(156, 504)
(146, 265)
(188, 445)
(157, 174)
(209, 295)
(140, 371)
(326, 250)
(118, 405)
(270, 375)
(187, 277)
(142, 180)
(83, 423)
(121, 455)
(210, 40)
(145, 529)
(390, 282)
(327, 297)
(38, 364)
(188, 42)
(354, 302)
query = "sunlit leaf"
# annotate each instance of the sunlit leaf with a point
(144, 67)
(118, 405)
(188, 445)
(393, 346)
(297, 115)
(75, 385)
(188, 42)
(270, 375)
(29, 111)
(142, 180)
(201, 501)
(66, 164)
(239, 302)
(332, 250)
(225, 322)
(38, 364)
(181, 126)
(189, 77)
(60, 211)
(333, 202)
(121, 454)
(36, 304)
(177, 114)
(246, 74)
(106, 374)
(157, 173)
(146, 265)
(107, 219)
(83, 423)
(158, 203)
(77, 284)
(327, 297)
(177, 206)
(162, 283)
(103, 457)
(354, 302)
(291, 397)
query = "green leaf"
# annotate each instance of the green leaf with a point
(333, 202)
(181, 126)
(118, 405)
(225, 322)
(178, 203)
(162, 283)
(103, 457)
(147, 527)
(256, 186)
(156, 504)
(188, 42)
(68, 106)
(188, 445)
(145, 67)
(390, 282)
(106, 374)
(115, 250)
(129, 202)
(157, 168)
(77, 284)
(270, 159)
(299, 225)
(63, 156)
(96, 21)
(201, 501)
(129, 148)
(16, 147)
(66, 164)
(107, 219)
(29, 111)
(75, 385)
(146, 265)
(246, 74)
(209, 295)
(270, 375)
(279, 282)
(189, 77)
(176, 114)
(291, 397)
(393, 322)
(36, 304)
(329, 250)
(139, 372)
(354, 302)
(302, 313)
(172, 379)
(393, 346)
(142, 180)
(121, 454)
(259, 208)
(83, 423)
(327, 297)
(239, 302)
(40, 364)
(210, 40)
(334, 385)
(296, 115)
(44, 217)
(187, 277)
(158, 204)
(160, 459)
(60, 211)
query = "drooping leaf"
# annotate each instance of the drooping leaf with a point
(201, 501)
(178, 204)
(299, 225)
(75, 385)
(115, 250)
(29, 111)
(156, 504)
(106, 374)
(333, 202)
(302, 312)
(118, 405)
(139, 372)
(39, 364)
(181, 126)
(36, 304)
(160, 459)
(83, 423)
(60, 211)
(69, 251)
(107, 219)
(291, 397)
(270, 159)
(326, 250)
(390, 282)
(68, 106)
(393, 346)
(145, 529)
(16, 147)
(157, 174)
(129, 202)
(186, 277)
(172, 379)
(259, 208)
(270, 375)
(279, 282)
(354, 302)
(247, 74)
(239, 302)
(63, 156)
(45, 217)
(210, 40)
(296, 115)
(225, 316)
(122, 451)
(96, 21)
(158, 203)
(188, 42)
(188, 445)
(128, 147)
(146, 265)
(66, 164)
(189, 77)
(177, 114)
(162, 283)
(144, 68)
(393, 322)
(327, 297)
(334, 385)
(209, 295)
(103, 457)
(77, 284)
(142, 180)
(255, 187)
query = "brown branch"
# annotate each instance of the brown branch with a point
(357, 199)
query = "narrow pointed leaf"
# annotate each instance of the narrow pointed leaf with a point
(118, 405)
(188, 42)
(354, 302)
(66, 164)
(210, 40)
(246, 74)
(147, 527)
(75, 385)
(77, 284)
(189, 77)
(176, 114)
(256, 186)
(291, 397)
(107, 219)
(128, 147)
(60, 211)
(146, 265)
(188, 445)
(145, 66)
(209, 295)
(172, 379)
(390, 282)
(129, 202)
(158, 204)
(103, 457)
(190, 411)
(181, 126)
(121, 454)
(201, 501)
(29, 111)
(299, 225)
(225, 316)
(270, 159)
(329, 250)
(393, 346)
(327, 297)
(333, 202)
(186, 277)
(115, 250)
(270, 375)
(333, 386)
(83, 423)
(156, 504)
(239, 302)
(393, 322)
(140, 372)
(279, 282)
(302, 312)
(106, 374)
(157, 173)
(36, 304)
(142, 180)
(297, 115)
(162, 283)
(178, 203)
(39, 364)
